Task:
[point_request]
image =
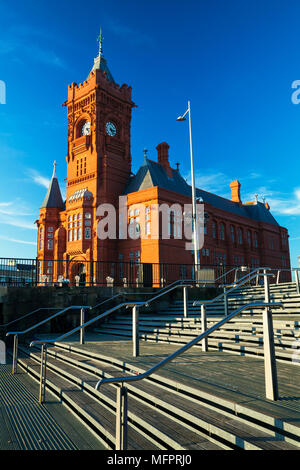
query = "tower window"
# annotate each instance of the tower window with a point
(87, 233)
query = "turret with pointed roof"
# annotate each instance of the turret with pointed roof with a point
(53, 197)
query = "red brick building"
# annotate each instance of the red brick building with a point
(99, 172)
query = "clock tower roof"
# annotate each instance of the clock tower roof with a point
(100, 62)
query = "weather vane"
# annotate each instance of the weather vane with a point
(100, 40)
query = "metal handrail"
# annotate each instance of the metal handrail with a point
(224, 294)
(187, 346)
(105, 314)
(120, 294)
(33, 327)
(256, 270)
(82, 327)
(236, 268)
(271, 381)
(71, 307)
(289, 270)
(202, 302)
(27, 315)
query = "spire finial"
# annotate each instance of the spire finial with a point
(100, 40)
(54, 169)
(145, 153)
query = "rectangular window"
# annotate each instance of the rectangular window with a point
(87, 234)
(50, 244)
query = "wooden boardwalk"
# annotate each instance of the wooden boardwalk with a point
(237, 379)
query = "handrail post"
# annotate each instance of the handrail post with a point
(43, 373)
(271, 383)
(185, 302)
(121, 419)
(82, 320)
(278, 276)
(135, 331)
(204, 327)
(225, 303)
(297, 280)
(15, 355)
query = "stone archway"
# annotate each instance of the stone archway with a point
(78, 273)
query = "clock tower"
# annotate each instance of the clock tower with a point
(98, 157)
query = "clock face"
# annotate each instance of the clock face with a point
(111, 129)
(86, 128)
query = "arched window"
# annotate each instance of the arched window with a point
(255, 240)
(240, 235)
(232, 233)
(221, 231)
(214, 229)
(249, 237)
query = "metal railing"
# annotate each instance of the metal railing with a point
(83, 325)
(5, 325)
(203, 303)
(271, 383)
(296, 271)
(16, 334)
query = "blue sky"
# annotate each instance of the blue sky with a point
(235, 61)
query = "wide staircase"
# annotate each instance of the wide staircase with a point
(211, 400)
(242, 335)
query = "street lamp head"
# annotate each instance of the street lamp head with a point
(181, 118)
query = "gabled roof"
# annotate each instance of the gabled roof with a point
(152, 174)
(53, 197)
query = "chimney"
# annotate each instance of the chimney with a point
(163, 157)
(235, 191)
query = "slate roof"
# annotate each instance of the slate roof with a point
(53, 197)
(152, 174)
(101, 64)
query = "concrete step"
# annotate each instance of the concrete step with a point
(170, 416)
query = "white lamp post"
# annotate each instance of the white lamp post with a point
(195, 225)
